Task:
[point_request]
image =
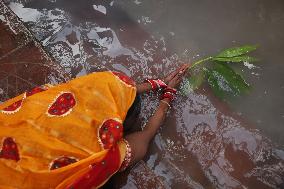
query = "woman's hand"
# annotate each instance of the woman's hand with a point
(182, 68)
(176, 76)
(146, 86)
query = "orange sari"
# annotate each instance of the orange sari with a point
(65, 136)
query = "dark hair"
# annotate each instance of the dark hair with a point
(132, 114)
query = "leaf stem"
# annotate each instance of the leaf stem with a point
(200, 61)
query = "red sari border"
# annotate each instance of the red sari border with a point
(99, 172)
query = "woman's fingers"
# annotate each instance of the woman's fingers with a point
(182, 67)
(185, 67)
(173, 74)
(181, 70)
(181, 74)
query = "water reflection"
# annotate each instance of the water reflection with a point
(201, 145)
(230, 155)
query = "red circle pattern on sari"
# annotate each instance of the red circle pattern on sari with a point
(62, 161)
(9, 150)
(16, 106)
(62, 105)
(125, 79)
(110, 132)
(36, 90)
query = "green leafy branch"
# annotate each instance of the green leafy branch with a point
(219, 74)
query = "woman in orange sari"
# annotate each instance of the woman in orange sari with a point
(71, 135)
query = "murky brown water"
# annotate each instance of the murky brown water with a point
(204, 143)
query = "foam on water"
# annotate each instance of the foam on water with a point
(100, 8)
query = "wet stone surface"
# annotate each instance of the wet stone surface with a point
(13, 34)
(136, 177)
(23, 62)
(89, 40)
(203, 143)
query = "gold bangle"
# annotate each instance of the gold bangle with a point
(166, 103)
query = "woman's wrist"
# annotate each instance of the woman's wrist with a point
(166, 101)
(143, 87)
(165, 104)
(168, 93)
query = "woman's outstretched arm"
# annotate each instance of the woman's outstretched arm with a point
(139, 141)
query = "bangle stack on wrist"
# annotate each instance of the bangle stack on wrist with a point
(156, 84)
(168, 93)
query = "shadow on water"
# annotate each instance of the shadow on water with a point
(203, 143)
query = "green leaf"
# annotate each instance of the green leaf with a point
(235, 59)
(196, 79)
(220, 76)
(214, 84)
(234, 80)
(193, 82)
(225, 81)
(237, 51)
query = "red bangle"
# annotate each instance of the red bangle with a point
(156, 84)
(170, 96)
(168, 93)
(128, 156)
(171, 90)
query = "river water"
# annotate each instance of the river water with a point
(204, 143)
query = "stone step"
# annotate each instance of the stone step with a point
(24, 64)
